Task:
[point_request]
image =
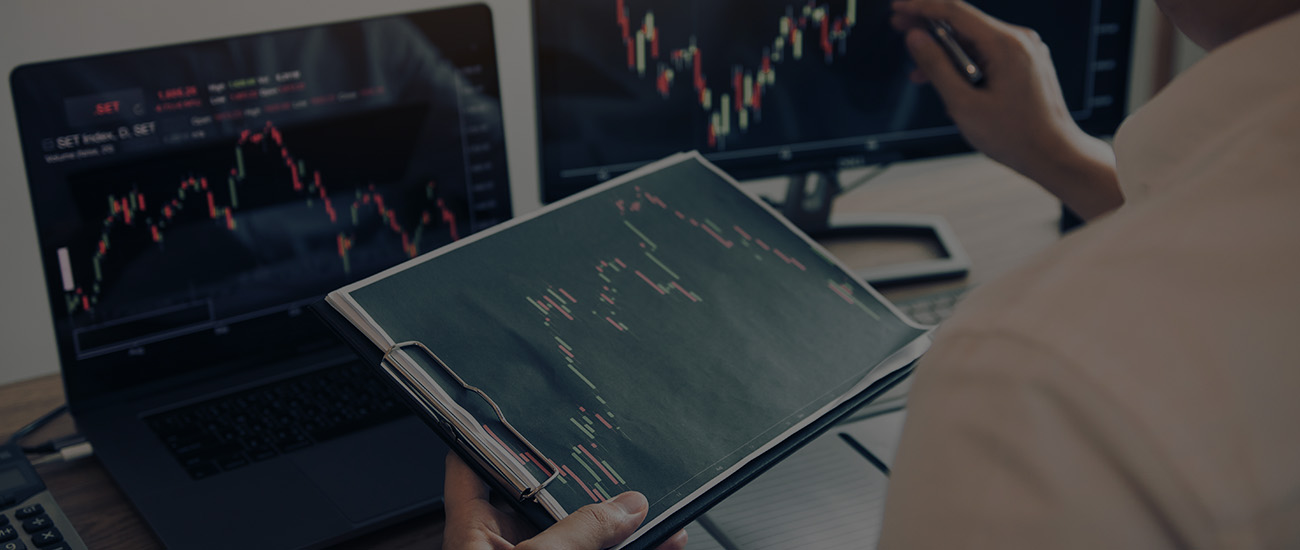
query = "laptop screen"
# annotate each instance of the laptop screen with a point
(192, 199)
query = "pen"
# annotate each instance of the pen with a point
(944, 34)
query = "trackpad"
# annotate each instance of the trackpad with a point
(383, 470)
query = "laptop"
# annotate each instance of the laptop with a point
(192, 199)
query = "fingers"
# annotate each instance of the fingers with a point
(676, 542)
(935, 65)
(462, 485)
(595, 526)
(971, 23)
(973, 26)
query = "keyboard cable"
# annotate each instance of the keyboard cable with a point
(60, 449)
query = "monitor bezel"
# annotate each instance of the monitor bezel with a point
(824, 160)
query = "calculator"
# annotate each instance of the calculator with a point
(29, 517)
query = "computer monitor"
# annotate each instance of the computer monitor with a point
(191, 199)
(771, 87)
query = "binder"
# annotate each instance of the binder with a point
(464, 400)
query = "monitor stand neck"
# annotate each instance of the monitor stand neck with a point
(808, 202)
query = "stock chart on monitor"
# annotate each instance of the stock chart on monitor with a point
(197, 195)
(765, 87)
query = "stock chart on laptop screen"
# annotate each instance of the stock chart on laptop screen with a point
(192, 198)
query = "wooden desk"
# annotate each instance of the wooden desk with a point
(999, 217)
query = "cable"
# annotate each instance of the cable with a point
(70, 453)
(36, 424)
(60, 449)
(716, 532)
(872, 173)
(55, 445)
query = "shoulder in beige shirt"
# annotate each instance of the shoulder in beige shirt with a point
(1137, 386)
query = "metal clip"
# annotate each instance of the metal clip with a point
(529, 492)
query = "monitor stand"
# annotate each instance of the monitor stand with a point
(808, 205)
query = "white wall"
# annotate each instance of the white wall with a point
(1185, 53)
(36, 30)
(1141, 87)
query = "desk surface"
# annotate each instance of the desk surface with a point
(1000, 218)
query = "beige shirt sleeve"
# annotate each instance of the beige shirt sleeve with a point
(1137, 385)
(1009, 445)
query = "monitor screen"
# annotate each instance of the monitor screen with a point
(768, 87)
(190, 200)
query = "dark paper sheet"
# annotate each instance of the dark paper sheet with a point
(645, 337)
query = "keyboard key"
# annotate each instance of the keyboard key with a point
(290, 441)
(29, 511)
(232, 461)
(13, 545)
(4, 520)
(202, 470)
(8, 532)
(47, 538)
(38, 523)
(259, 449)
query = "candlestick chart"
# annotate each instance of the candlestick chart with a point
(762, 83)
(802, 28)
(643, 338)
(316, 205)
(558, 308)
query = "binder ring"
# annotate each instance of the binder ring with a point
(529, 492)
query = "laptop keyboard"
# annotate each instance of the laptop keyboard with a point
(235, 430)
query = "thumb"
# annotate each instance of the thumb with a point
(594, 526)
(935, 64)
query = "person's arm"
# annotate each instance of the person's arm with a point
(1018, 117)
(474, 523)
